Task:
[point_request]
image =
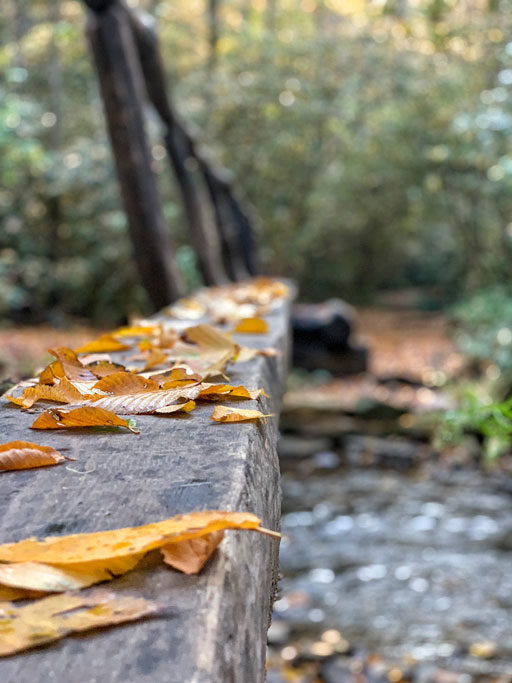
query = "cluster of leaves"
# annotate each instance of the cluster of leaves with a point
(372, 139)
(170, 365)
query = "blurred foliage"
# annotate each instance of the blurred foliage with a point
(372, 138)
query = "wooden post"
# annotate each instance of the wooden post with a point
(121, 86)
(204, 238)
(237, 240)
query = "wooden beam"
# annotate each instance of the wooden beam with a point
(122, 90)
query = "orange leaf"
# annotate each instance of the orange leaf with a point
(103, 344)
(225, 414)
(52, 618)
(208, 338)
(251, 326)
(73, 368)
(135, 331)
(23, 455)
(51, 372)
(125, 383)
(80, 417)
(212, 391)
(190, 556)
(180, 376)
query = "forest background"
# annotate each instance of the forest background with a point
(372, 140)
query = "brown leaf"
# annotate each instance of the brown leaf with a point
(180, 376)
(103, 368)
(51, 372)
(144, 402)
(213, 391)
(119, 383)
(225, 414)
(190, 556)
(104, 344)
(23, 455)
(208, 338)
(155, 357)
(54, 617)
(73, 368)
(251, 326)
(80, 417)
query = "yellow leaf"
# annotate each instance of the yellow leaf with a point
(190, 556)
(54, 617)
(51, 372)
(208, 337)
(225, 414)
(8, 594)
(135, 331)
(104, 344)
(23, 455)
(251, 326)
(212, 391)
(145, 401)
(180, 376)
(155, 357)
(177, 408)
(79, 417)
(103, 368)
(109, 550)
(119, 383)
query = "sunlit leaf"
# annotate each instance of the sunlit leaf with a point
(135, 331)
(78, 418)
(125, 383)
(103, 368)
(177, 408)
(52, 618)
(73, 368)
(36, 576)
(251, 326)
(225, 414)
(104, 344)
(213, 391)
(24, 455)
(61, 392)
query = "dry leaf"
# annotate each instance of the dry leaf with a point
(225, 414)
(247, 353)
(180, 376)
(61, 392)
(145, 401)
(78, 418)
(52, 618)
(213, 391)
(187, 309)
(118, 550)
(8, 594)
(43, 578)
(155, 357)
(190, 556)
(103, 368)
(104, 344)
(135, 331)
(73, 368)
(119, 383)
(251, 326)
(51, 372)
(208, 338)
(177, 408)
(23, 455)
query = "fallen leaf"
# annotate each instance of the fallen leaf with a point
(54, 617)
(145, 401)
(225, 414)
(135, 331)
(61, 392)
(180, 376)
(177, 408)
(80, 417)
(246, 353)
(208, 338)
(118, 550)
(73, 368)
(190, 556)
(212, 391)
(52, 371)
(36, 576)
(104, 344)
(155, 357)
(103, 368)
(8, 594)
(23, 455)
(187, 309)
(119, 383)
(251, 326)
